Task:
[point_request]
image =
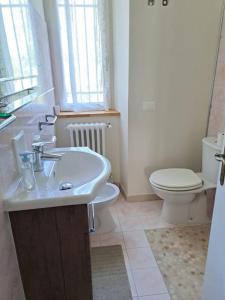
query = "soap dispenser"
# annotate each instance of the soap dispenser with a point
(27, 171)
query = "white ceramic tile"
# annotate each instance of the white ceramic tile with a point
(140, 258)
(135, 239)
(149, 282)
(156, 297)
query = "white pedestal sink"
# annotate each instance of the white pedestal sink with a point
(84, 170)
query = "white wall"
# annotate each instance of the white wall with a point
(166, 55)
(121, 74)
(112, 138)
(172, 60)
(117, 136)
(217, 114)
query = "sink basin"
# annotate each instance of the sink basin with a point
(85, 171)
(77, 167)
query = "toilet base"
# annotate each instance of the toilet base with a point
(175, 213)
(194, 212)
(104, 220)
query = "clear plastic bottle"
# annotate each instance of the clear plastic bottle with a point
(27, 171)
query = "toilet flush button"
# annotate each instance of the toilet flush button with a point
(148, 105)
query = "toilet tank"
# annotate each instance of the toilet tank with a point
(210, 167)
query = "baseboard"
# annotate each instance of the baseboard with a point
(122, 190)
(138, 198)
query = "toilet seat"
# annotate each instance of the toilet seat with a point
(176, 180)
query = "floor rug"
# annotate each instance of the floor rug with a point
(181, 255)
(109, 275)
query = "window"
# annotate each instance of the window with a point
(85, 57)
(17, 55)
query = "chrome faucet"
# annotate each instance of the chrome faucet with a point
(40, 155)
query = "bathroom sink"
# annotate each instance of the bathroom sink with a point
(77, 167)
(75, 179)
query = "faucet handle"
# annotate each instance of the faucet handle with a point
(38, 144)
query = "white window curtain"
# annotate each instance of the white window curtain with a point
(80, 43)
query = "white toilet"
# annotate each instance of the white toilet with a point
(106, 197)
(184, 192)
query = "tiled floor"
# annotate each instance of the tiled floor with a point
(132, 219)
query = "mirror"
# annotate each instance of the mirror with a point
(22, 56)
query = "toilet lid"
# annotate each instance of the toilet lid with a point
(176, 179)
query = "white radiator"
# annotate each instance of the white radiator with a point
(92, 135)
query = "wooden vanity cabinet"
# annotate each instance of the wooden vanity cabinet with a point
(53, 251)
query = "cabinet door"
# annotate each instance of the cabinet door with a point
(53, 252)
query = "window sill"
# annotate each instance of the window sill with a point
(94, 113)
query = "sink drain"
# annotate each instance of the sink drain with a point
(65, 186)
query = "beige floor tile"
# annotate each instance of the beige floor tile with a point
(146, 207)
(130, 223)
(95, 240)
(149, 282)
(135, 239)
(140, 258)
(125, 255)
(113, 238)
(132, 284)
(154, 222)
(151, 222)
(131, 219)
(114, 214)
(139, 208)
(120, 202)
(126, 209)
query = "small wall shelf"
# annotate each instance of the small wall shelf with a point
(6, 121)
(9, 104)
(17, 99)
(13, 106)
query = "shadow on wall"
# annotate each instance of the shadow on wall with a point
(217, 114)
(210, 202)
